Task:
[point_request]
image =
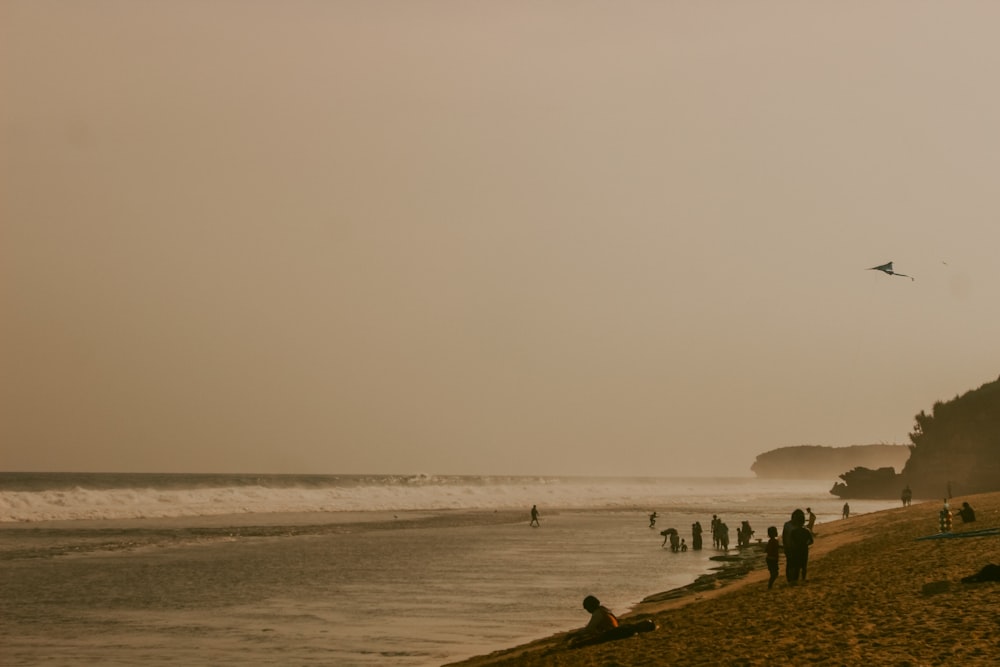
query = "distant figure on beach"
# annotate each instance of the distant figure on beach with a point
(847, 510)
(796, 539)
(696, 536)
(675, 542)
(534, 516)
(669, 535)
(715, 531)
(771, 552)
(652, 519)
(967, 513)
(907, 496)
(723, 536)
(743, 534)
(684, 546)
(812, 521)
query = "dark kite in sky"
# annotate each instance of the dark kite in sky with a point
(887, 269)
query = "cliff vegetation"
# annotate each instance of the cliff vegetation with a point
(955, 450)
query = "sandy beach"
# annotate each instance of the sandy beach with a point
(876, 594)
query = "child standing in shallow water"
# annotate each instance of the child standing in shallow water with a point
(771, 554)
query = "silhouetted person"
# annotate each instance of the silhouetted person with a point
(771, 552)
(796, 539)
(534, 516)
(907, 496)
(967, 513)
(812, 521)
(601, 618)
(989, 572)
(847, 510)
(696, 536)
(604, 626)
(652, 519)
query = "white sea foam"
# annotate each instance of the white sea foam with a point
(129, 499)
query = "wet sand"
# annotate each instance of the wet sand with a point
(876, 594)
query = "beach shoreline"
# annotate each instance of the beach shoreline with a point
(877, 593)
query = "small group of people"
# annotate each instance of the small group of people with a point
(796, 538)
(676, 542)
(720, 533)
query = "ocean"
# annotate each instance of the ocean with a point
(398, 570)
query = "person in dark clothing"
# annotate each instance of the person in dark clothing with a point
(967, 513)
(604, 626)
(771, 552)
(990, 572)
(696, 535)
(796, 539)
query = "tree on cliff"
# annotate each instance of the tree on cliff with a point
(956, 449)
(958, 444)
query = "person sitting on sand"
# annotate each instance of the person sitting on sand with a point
(601, 618)
(604, 626)
(967, 513)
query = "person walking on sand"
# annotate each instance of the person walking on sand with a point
(812, 521)
(847, 510)
(771, 554)
(652, 519)
(534, 517)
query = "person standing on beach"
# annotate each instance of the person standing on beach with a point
(812, 521)
(771, 554)
(796, 539)
(696, 535)
(534, 517)
(847, 510)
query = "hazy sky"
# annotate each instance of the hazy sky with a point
(489, 237)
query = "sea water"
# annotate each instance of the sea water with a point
(343, 570)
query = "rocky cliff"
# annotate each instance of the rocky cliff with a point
(816, 462)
